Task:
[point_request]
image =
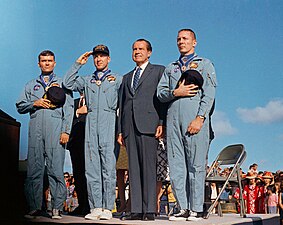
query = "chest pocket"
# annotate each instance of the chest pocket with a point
(57, 113)
(174, 76)
(90, 96)
(111, 95)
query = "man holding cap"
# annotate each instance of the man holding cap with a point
(51, 111)
(101, 96)
(188, 124)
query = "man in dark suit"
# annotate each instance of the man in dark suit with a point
(76, 148)
(140, 124)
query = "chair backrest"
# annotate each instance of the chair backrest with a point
(231, 154)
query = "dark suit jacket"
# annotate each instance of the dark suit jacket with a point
(142, 106)
(77, 134)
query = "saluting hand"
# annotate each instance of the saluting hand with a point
(186, 90)
(83, 58)
(42, 102)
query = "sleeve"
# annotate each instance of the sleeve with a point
(24, 104)
(68, 113)
(164, 93)
(120, 106)
(72, 80)
(208, 89)
(162, 106)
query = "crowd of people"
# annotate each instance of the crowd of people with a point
(262, 191)
(136, 131)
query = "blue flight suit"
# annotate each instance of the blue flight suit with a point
(100, 135)
(44, 148)
(187, 153)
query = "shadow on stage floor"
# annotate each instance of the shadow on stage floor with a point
(227, 219)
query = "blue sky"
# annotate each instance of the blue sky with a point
(244, 39)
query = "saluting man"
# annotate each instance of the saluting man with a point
(188, 124)
(51, 113)
(101, 96)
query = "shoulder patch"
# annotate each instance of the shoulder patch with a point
(193, 65)
(36, 87)
(111, 78)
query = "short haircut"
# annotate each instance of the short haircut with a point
(46, 53)
(189, 30)
(148, 44)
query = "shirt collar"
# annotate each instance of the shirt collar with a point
(143, 66)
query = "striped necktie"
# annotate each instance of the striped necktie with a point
(136, 78)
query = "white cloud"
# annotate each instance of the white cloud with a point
(221, 124)
(272, 112)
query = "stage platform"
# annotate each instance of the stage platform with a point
(227, 219)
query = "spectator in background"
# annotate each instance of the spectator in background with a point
(253, 168)
(267, 179)
(122, 169)
(261, 198)
(251, 194)
(162, 171)
(271, 200)
(67, 178)
(281, 203)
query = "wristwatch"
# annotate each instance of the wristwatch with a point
(202, 117)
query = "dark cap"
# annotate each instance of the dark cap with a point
(101, 49)
(191, 77)
(56, 95)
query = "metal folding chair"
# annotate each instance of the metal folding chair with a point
(233, 156)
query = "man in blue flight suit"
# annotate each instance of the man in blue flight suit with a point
(49, 127)
(101, 96)
(188, 125)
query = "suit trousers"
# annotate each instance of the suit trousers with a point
(142, 154)
(78, 164)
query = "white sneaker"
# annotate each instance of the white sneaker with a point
(56, 214)
(181, 216)
(106, 214)
(193, 216)
(94, 214)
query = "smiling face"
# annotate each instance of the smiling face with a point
(101, 61)
(46, 64)
(186, 42)
(140, 53)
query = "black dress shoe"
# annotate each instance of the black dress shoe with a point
(79, 212)
(148, 216)
(132, 216)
